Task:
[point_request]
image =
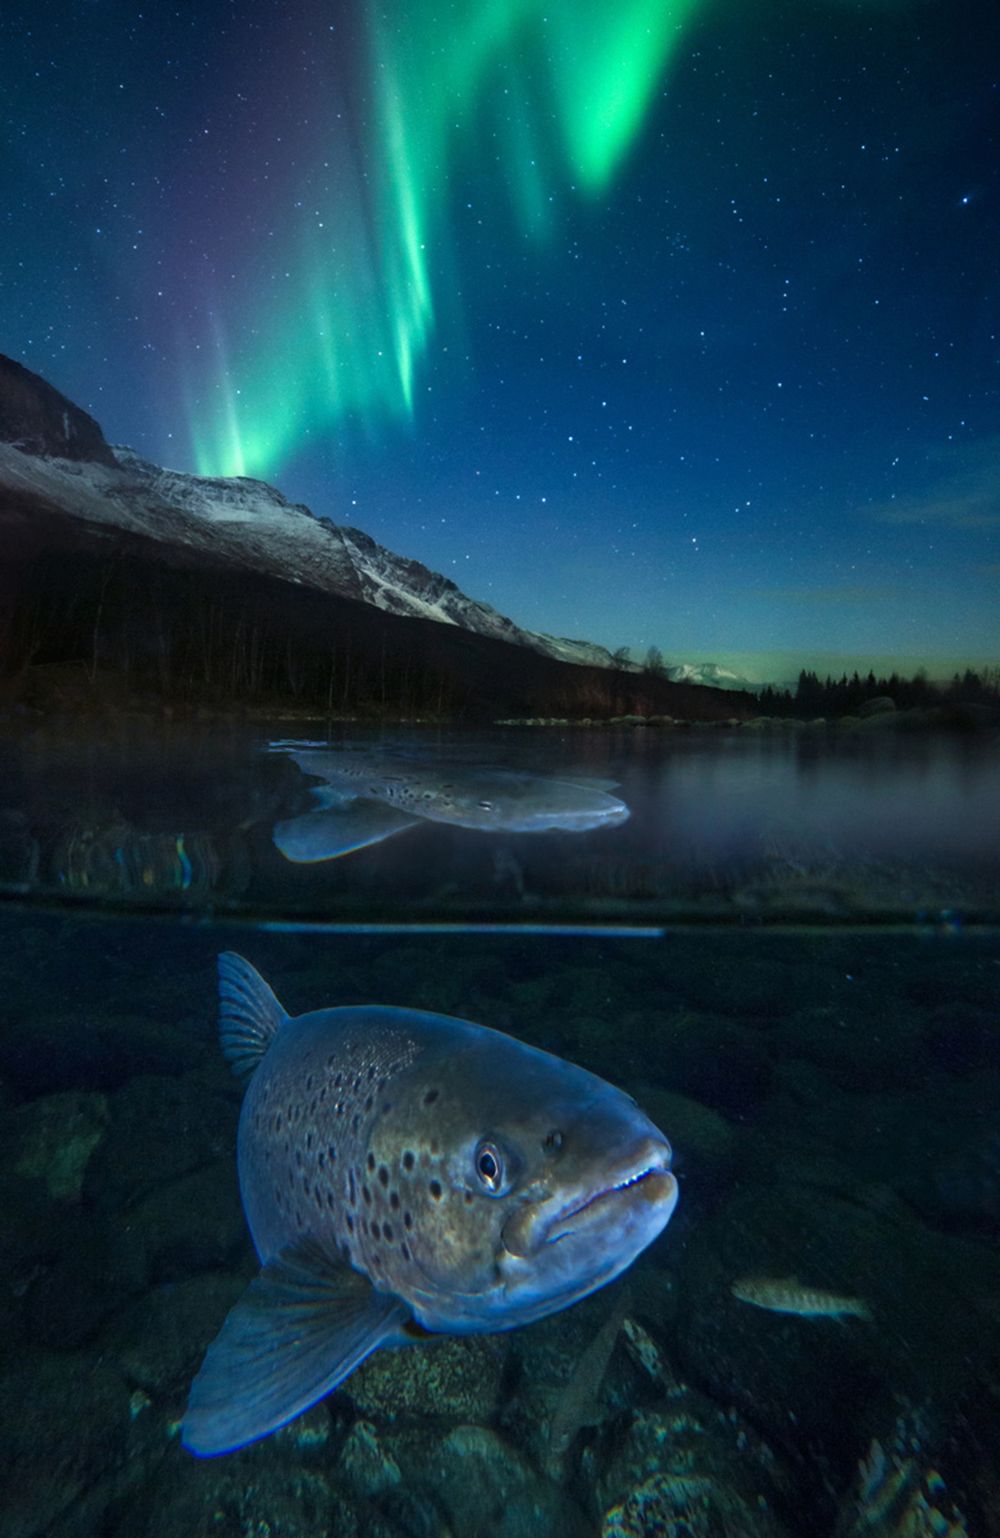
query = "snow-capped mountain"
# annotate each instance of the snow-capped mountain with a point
(126, 585)
(248, 523)
(710, 673)
(55, 455)
(52, 451)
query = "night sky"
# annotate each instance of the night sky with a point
(664, 322)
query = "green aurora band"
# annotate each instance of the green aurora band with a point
(567, 85)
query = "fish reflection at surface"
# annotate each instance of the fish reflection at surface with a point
(366, 797)
(699, 824)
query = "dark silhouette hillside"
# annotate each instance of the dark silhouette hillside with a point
(123, 618)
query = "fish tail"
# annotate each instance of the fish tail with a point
(249, 1014)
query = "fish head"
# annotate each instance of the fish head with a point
(537, 1183)
(504, 801)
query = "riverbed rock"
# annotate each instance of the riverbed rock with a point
(52, 1139)
(448, 1379)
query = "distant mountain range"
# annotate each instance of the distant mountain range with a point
(55, 460)
(709, 673)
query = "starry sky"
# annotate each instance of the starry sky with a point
(654, 322)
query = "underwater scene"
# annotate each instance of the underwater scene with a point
(499, 769)
(612, 1149)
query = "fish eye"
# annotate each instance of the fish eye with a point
(553, 1142)
(486, 806)
(489, 1166)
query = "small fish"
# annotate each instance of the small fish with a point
(405, 1174)
(787, 1295)
(366, 798)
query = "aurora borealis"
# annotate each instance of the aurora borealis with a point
(667, 323)
(346, 344)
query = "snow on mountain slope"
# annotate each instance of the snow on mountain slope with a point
(242, 522)
(248, 523)
(587, 653)
(710, 673)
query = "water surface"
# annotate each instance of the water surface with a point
(722, 824)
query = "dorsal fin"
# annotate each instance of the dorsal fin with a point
(249, 1013)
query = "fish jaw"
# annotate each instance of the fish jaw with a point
(645, 1192)
(564, 1247)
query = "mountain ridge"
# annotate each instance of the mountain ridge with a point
(50, 448)
(86, 535)
(47, 445)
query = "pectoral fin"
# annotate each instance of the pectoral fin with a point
(329, 833)
(300, 1328)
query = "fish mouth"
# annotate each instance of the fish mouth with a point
(649, 1184)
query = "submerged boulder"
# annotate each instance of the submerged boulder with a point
(63, 1426)
(52, 1139)
(490, 1490)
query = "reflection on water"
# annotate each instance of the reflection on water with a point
(364, 798)
(118, 861)
(634, 825)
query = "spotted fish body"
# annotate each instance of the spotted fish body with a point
(402, 1173)
(469, 795)
(364, 799)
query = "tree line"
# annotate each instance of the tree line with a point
(106, 618)
(844, 696)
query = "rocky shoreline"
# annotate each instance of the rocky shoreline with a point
(943, 718)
